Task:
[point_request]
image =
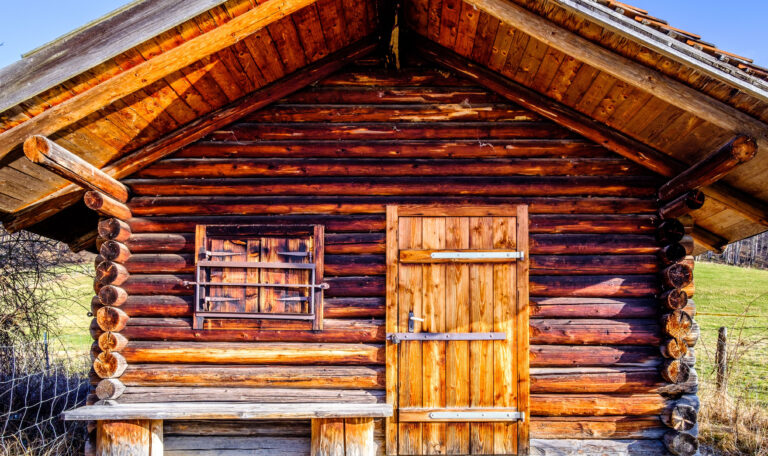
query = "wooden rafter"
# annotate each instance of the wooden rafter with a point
(650, 158)
(624, 69)
(712, 168)
(193, 131)
(59, 160)
(144, 74)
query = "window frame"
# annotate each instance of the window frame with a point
(315, 232)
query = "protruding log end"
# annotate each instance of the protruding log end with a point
(683, 414)
(677, 275)
(683, 204)
(110, 273)
(110, 388)
(676, 324)
(670, 231)
(111, 319)
(114, 251)
(112, 341)
(674, 348)
(110, 365)
(693, 335)
(674, 299)
(675, 371)
(113, 229)
(681, 443)
(35, 148)
(743, 148)
(106, 205)
(111, 295)
(95, 305)
(672, 253)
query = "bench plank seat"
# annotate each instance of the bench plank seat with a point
(227, 411)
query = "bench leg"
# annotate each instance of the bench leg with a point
(123, 438)
(342, 437)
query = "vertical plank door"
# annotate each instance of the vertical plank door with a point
(457, 337)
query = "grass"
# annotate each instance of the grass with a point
(736, 298)
(72, 314)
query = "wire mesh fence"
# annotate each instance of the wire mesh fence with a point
(38, 381)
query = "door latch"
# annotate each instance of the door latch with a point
(411, 319)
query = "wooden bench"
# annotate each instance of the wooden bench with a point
(137, 429)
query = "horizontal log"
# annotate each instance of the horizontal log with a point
(167, 172)
(597, 404)
(712, 168)
(369, 286)
(367, 264)
(255, 376)
(114, 229)
(604, 355)
(541, 307)
(399, 95)
(625, 380)
(428, 185)
(157, 306)
(538, 223)
(334, 331)
(425, 148)
(138, 352)
(70, 166)
(245, 131)
(443, 112)
(594, 332)
(144, 394)
(608, 427)
(626, 447)
(212, 205)
(106, 206)
(349, 243)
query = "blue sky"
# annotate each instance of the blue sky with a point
(737, 26)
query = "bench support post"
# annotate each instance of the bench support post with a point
(129, 438)
(342, 437)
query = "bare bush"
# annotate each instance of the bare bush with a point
(34, 272)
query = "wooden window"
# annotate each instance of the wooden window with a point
(259, 271)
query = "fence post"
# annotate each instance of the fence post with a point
(721, 359)
(45, 347)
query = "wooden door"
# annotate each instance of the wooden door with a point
(458, 380)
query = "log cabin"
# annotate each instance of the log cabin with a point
(371, 227)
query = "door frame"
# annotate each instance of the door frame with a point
(394, 212)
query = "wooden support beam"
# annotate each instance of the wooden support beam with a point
(53, 157)
(748, 206)
(712, 168)
(709, 240)
(124, 437)
(154, 69)
(106, 206)
(195, 130)
(683, 204)
(624, 69)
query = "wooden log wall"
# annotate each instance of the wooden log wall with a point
(336, 154)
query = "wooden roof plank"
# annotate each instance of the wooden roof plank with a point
(189, 133)
(664, 87)
(78, 52)
(150, 71)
